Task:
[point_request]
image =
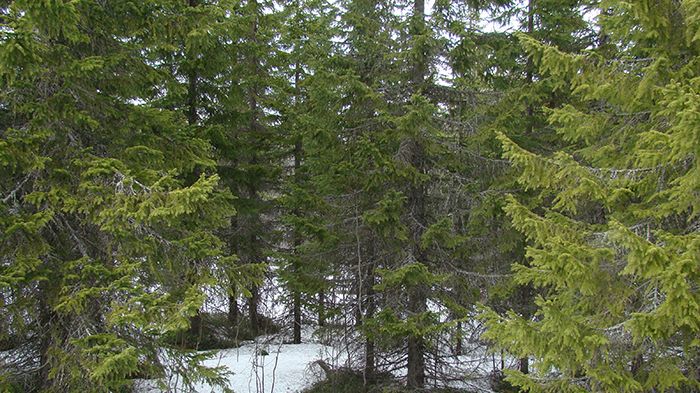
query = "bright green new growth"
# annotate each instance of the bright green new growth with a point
(110, 203)
(382, 164)
(613, 235)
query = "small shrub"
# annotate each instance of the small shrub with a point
(498, 383)
(218, 333)
(345, 380)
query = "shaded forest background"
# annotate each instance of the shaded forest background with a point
(182, 175)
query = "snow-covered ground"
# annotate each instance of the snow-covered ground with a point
(267, 365)
(270, 365)
(264, 366)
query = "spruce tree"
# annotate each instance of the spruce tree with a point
(256, 142)
(106, 200)
(513, 95)
(307, 41)
(208, 85)
(613, 233)
(333, 124)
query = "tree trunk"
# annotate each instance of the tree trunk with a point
(46, 315)
(195, 332)
(417, 298)
(524, 365)
(192, 85)
(458, 339)
(637, 363)
(415, 377)
(297, 318)
(358, 302)
(295, 235)
(370, 361)
(321, 308)
(370, 352)
(420, 65)
(53, 334)
(233, 312)
(253, 303)
(254, 257)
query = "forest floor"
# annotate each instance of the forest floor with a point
(265, 365)
(270, 364)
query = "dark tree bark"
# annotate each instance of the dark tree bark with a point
(524, 365)
(458, 340)
(370, 351)
(529, 67)
(45, 319)
(296, 339)
(415, 377)
(195, 330)
(253, 315)
(298, 151)
(254, 127)
(322, 308)
(233, 313)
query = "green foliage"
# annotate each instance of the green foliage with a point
(386, 216)
(143, 144)
(348, 381)
(109, 208)
(407, 276)
(612, 234)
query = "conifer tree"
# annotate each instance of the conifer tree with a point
(492, 61)
(406, 215)
(106, 200)
(223, 75)
(613, 233)
(208, 86)
(306, 39)
(338, 121)
(257, 141)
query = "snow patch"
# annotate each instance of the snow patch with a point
(265, 367)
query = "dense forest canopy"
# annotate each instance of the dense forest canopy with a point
(415, 180)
